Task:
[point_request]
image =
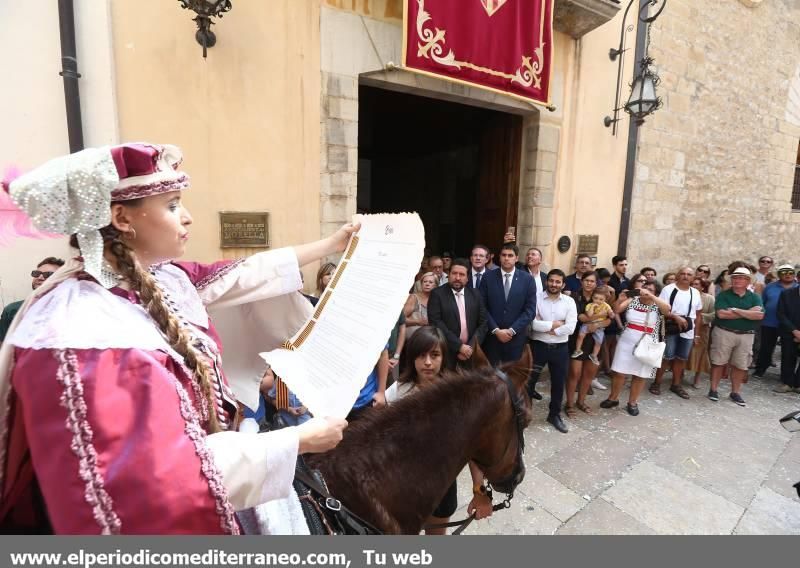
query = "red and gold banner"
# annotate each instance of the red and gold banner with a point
(502, 45)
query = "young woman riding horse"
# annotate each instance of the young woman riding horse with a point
(394, 465)
(424, 354)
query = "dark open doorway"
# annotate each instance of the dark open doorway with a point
(457, 165)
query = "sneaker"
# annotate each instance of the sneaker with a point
(713, 395)
(593, 358)
(577, 353)
(783, 388)
(736, 397)
(597, 384)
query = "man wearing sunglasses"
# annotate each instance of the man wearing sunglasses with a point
(770, 324)
(765, 264)
(703, 271)
(44, 270)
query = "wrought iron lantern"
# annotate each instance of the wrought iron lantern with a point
(206, 10)
(643, 99)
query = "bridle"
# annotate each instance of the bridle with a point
(509, 483)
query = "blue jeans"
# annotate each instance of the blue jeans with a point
(677, 348)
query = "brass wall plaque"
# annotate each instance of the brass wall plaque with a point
(240, 229)
(587, 244)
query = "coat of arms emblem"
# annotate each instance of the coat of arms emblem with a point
(492, 6)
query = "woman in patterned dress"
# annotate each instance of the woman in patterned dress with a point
(643, 314)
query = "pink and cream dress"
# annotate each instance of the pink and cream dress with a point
(104, 427)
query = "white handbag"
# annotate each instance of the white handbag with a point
(647, 349)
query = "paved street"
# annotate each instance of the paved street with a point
(680, 467)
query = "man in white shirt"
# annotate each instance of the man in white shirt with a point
(681, 322)
(556, 317)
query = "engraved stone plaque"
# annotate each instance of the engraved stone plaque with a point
(243, 229)
(587, 244)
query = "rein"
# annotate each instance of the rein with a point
(511, 480)
(464, 523)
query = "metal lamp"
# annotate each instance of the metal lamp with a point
(643, 100)
(206, 10)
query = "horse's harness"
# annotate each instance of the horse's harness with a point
(326, 515)
(508, 484)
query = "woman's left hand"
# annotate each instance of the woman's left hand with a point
(481, 505)
(342, 236)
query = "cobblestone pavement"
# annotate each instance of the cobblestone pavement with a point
(680, 467)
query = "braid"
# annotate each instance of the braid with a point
(179, 339)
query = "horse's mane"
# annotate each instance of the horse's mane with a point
(451, 389)
(416, 444)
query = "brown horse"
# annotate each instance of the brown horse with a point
(394, 465)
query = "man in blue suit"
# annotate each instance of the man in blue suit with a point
(509, 295)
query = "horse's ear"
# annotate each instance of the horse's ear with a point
(479, 360)
(520, 371)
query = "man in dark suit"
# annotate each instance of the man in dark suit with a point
(459, 313)
(510, 298)
(572, 285)
(478, 271)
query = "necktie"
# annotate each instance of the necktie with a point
(507, 285)
(462, 315)
(478, 279)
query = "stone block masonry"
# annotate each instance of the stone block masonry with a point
(715, 165)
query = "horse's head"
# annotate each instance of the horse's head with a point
(499, 454)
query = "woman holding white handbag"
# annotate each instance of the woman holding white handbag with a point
(640, 346)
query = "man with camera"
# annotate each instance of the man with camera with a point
(680, 325)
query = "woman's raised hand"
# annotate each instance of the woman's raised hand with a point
(320, 434)
(341, 236)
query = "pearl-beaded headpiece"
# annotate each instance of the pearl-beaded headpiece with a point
(73, 194)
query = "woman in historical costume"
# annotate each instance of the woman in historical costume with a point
(114, 411)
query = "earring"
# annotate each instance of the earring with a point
(131, 235)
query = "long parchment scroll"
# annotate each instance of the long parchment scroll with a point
(327, 362)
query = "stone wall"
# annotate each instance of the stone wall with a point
(715, 165)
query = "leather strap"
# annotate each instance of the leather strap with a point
(354, 522)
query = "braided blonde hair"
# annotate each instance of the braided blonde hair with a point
(179, 339)
(152, 300)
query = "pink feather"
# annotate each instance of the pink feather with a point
(14, 222)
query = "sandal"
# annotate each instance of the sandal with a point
(585, 408)
(655, 389)
(570, 411)
(679, 390)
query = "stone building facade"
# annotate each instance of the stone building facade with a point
(716, 164)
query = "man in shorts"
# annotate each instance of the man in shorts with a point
(739, 312)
